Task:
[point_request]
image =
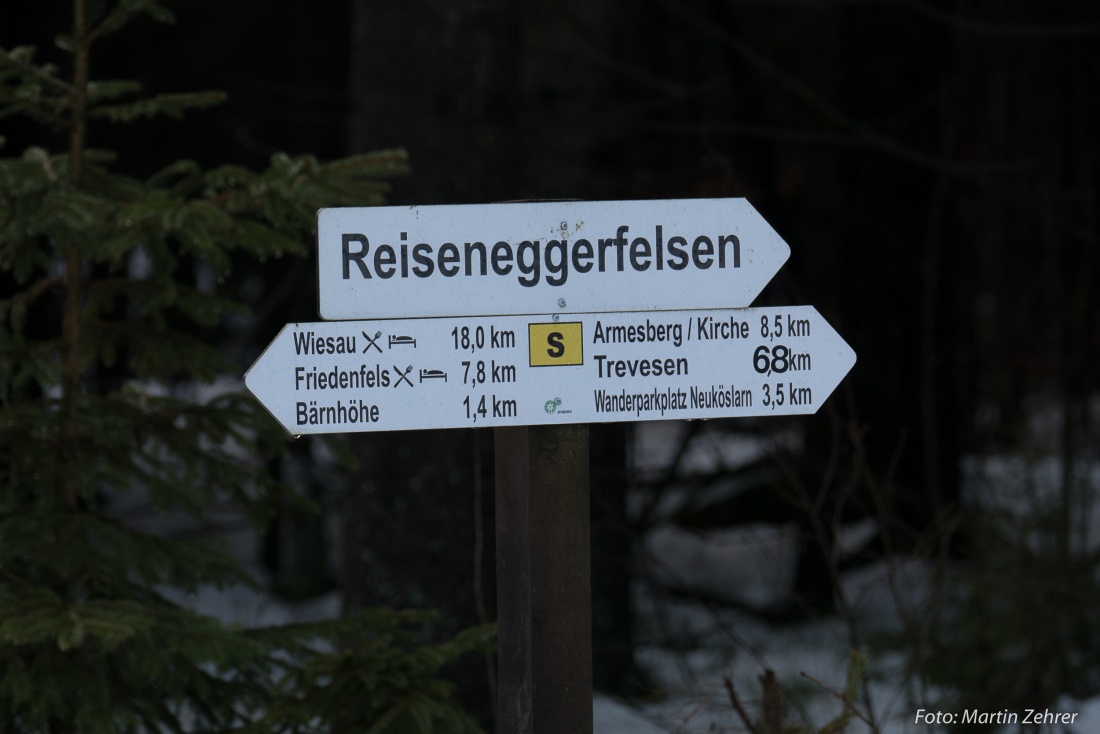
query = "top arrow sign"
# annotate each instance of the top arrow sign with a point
(541, 257)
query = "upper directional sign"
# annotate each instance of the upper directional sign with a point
(543, 257)
(381, 375)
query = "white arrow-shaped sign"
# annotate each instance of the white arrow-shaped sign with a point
(380, 375)
(543, 257)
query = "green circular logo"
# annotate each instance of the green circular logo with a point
(551, 406)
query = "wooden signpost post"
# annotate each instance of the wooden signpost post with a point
(538, 319)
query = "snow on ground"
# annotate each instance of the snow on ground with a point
(728, 643)
(611, 717)
(714, 562)
(1088, 719)
(253, 608)
(687, 647)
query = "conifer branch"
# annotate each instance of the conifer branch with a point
(124, 12)
(89, 626)
(25, 96)
(171, 105)
(30, 295)
(19, 58)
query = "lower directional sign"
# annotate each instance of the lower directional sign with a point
(349, 376)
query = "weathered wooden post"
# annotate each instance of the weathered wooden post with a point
(544, 595)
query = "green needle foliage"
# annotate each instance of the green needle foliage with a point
(90, 637)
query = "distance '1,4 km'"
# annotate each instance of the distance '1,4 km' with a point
(788, 394)
(469, 339)
(501, 408)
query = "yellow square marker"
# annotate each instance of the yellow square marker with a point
(556, 344)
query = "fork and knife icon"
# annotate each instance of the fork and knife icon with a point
(371, 342)
(403, 375)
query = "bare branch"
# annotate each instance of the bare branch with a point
(839, 695)
(736, 703)
(1025, 30)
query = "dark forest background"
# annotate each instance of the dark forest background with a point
(933, 166)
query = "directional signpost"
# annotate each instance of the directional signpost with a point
(346, 376)
(543, 257)
(537, 319)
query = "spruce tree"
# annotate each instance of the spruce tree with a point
(93, 353)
